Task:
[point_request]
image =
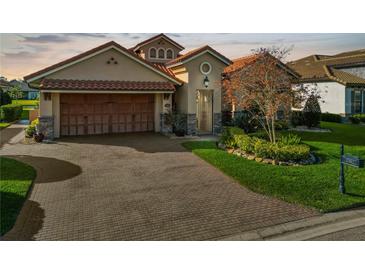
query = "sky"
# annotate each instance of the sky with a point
(22, 54)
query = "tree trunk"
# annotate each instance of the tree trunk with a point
(273, 129)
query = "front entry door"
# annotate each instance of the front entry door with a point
(205, 111)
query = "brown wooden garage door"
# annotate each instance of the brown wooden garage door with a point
(84, 114)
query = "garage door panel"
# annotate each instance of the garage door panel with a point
(106, 113)
(98, 129)
(105, 128)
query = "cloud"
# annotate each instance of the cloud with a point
(134, 37)
(45, 38)
(92, 35)
(20, 55)
(174, 35)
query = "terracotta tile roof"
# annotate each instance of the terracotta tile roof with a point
(313, 67)
(244, 61)
(162, 66)
(195, 52)
(241, 63)
(63, 84)
(94, 50)
(161, 35)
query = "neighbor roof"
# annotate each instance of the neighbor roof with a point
(315, 68)
(344, 77)
(63, 84)
(241, 63)
(195, 53)
(244, 61)
(86, 54)
(158, 36)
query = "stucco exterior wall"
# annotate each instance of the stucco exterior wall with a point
(334, 96)
(96, 68)
(45, 106)
(196, 82)
(182, 92)
(358, 71)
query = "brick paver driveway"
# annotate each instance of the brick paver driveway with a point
(135, 187)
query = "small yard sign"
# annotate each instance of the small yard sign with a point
(350, 160)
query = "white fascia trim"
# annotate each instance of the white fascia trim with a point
(96, 53)
(196, 56)
(107, 91)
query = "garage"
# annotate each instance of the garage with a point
(89, 114)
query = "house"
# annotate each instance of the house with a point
(4, 84)
(340, 80)
(111, 89)
(28, 92)
(241, 67)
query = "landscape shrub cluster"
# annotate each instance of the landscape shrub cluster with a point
(31, 130)
(10, 112)
(357, 118)
(288, 148)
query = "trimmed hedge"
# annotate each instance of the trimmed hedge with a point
(297, 118)
(360, 116)
(261, 148)
(331, 117)
(10, 112)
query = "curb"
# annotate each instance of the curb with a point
(305, 228)
(314, 232)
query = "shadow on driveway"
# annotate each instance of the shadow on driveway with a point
(49, 169)
(147, 142)
(31, 216)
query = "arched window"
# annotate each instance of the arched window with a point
(169, 54)
(153, 53)
(161, 53)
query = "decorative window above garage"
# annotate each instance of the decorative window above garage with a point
(169, 54)
(153, 53)
(161, 54)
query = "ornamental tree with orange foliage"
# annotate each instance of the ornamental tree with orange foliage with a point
(264, 85)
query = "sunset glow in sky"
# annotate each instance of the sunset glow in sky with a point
(21, 54)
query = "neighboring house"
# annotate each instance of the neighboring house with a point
(339, 78)
(4, 84)
(111, 89)
(245, 63)
(28, 92)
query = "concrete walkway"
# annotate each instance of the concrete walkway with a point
(14, 130)
(136, 187)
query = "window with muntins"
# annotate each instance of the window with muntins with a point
(161, 54)
(153, 53)
(169, 54)
(357, 101)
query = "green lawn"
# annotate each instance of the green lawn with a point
(15, 181)
(314, 185)
(4, 125)
(346, 134)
